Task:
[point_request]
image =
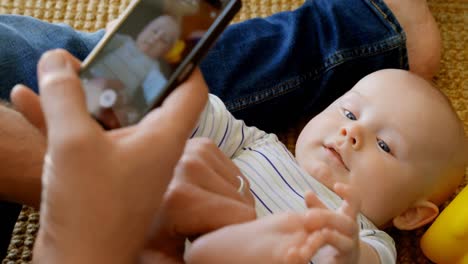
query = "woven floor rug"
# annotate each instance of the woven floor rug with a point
(90, 15)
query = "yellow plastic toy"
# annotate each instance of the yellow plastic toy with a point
(446, 241)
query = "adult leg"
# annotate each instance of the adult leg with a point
(271, 71)
(25, 39)
(423, 37)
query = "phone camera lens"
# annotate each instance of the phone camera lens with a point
(108, 98)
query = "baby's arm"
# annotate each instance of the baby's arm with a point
(380, 243)
(276, 239)
(289, 237)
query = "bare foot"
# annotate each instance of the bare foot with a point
(281, 238)
(423, 37)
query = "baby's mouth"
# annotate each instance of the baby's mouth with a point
(337, 155)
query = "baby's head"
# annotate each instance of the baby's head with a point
(159, 36)
(396, 139)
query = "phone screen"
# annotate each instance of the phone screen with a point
(136, 65)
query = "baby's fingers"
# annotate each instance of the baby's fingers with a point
(344, 244)
(305, 252)
(312, 201)
(352, 203)
(318, 219)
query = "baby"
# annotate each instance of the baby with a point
(393, 139)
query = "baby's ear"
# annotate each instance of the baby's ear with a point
(420, 214)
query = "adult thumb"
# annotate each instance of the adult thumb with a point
(62, 96)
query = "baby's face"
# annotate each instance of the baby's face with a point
(158, 37)
(379, 137)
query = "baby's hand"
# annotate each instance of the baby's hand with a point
(340, 233)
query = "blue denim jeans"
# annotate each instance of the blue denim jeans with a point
(269, 72)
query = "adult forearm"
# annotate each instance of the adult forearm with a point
(74, 250)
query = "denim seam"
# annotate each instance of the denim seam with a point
(385, 16)
(329, 63)
(389, 17)
(367, 50)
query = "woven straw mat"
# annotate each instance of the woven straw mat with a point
(90, 15)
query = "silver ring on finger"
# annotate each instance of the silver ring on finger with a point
(241, 189)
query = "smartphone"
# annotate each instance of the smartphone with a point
(153, 47)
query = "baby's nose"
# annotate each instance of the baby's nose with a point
(353, 135)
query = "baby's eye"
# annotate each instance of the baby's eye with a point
(383, 145)
(349, 115)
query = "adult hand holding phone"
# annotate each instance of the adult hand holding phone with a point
(101, 189)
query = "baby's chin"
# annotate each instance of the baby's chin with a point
(322, 172)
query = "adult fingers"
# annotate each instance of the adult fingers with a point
(225, 167)
(28, 103)
(193, 170)
(207, 154)
(229, 169)
(122, 132)
(175, 119)
(62, 97)
(198, 217)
